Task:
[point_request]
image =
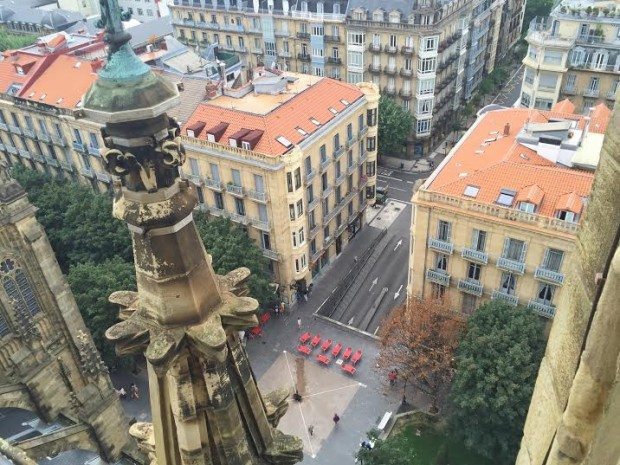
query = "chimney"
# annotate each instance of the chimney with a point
(507, 129)
(96, 65)
(211, 90)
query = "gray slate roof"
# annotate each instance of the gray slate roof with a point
(25, 11)
(159, 27)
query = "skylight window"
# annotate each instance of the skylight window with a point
(333, 110)
(315, 121)
(301, 131)
(506, 197)
(284, 141)
(346, 103)
(471, 191)
(527, 207)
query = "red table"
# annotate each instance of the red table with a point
(305, 337)
(347, 353)
(349, 368)
(304, 349)
(316, 340)
(256, 331)
(357, 356)
(326, 344)
(324, 359)
(336, 350)
(264, 318)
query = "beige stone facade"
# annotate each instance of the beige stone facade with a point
(300, 207)
(574, 411)
(573, 54)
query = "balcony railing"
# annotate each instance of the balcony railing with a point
(103, 177)
(259, 196)
(325, 163)
(549, 276)
(327, 191)
(235, 190)
(440, 245)
(391, 70)
(337, 152)
(341, 178)
(316, 255)
(15, 129)
(312, 204)
(260, 224)
(25, 154)
(389, 90)
(405, 93)
(270, 254)
(334, 60)
(214, 184)
(28, 132)
(38, 157)
(407, 51)
(510, 299)
(87, 172)
(569, 90)
(351, 168)
(591, 92)
(58, 140)
(79, 147)
(374, 68)
(470, 286)
(374, 47)
(438, 276)
(314, 231)
(508, 264)
(542, 308)
(195, 178)
(43, 137)
(303, 35)
(51, 161)
(363, 156)
(391, 49)
(362, 132)
(303, 57)
(332, 39)
(404, 72)
(4, 126)
(93, 151)
(237, 218)
(611, 95)
(66, 165)
(475, 256)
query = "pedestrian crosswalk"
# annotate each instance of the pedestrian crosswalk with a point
(388, 214)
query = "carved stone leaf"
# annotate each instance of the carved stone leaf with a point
(209, 337)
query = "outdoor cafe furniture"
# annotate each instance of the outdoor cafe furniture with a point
(256, 331)
(336, 350)
(315, 340)
(349, 368)
(347, 353)
(326, 345)
(305, 337)
(324, 359)
(357, 356)
(264, 318)
(304, 349)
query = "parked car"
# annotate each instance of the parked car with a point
(381, 195)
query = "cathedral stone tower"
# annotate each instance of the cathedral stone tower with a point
(48, 362)
(206, 406)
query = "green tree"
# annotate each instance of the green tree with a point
(77, 220)
(394, 126)
(496, 366)
(92, 284)
(535, 8)
(231, 248)
(393, 450)
(10, 41)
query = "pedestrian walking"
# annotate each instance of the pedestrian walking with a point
(277, 310)
(282, 308)
(134, 391)
(306, 295)
(336, 419)
(311, 430)
(392, 377)
(299, 324)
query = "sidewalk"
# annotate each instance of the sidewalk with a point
(420, 165)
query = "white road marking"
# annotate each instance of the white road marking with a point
(301, 413)
(390, 177)
(320, 306)
(397, 293)
(398, 244)
(374, 283)
(397, 189)
(333, 390)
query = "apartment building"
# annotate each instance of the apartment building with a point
(575, 54)
(428, 56)
(145, 10)
(292, 158)
(498, 218)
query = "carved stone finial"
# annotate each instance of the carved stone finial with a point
(25, 326)
(91, 360)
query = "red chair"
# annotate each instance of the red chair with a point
(357, 356)
(349, 368)
(256, 331)
(264, 318)
(305, 337)
(303, 349)
(336, 350)
(347, 353)
(324, 359)
(326, 345)
(316, 340)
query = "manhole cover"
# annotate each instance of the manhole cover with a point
(397, 209)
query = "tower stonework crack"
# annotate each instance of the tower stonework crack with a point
(206, 406)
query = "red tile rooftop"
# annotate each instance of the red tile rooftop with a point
(491, 161)
(280, 122)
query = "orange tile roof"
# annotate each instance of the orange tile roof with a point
(565, 106)
(506, 164)
(63, 83)
(313, 102)
(8, 73)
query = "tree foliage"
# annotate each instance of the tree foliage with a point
(419, 340)
(78, 221)
(10, 41)
(394, 127)
(535, 8)
(496, 366)
(231, 248)
(92, 284)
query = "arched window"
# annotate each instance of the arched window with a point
(18, 287)
(578, 56)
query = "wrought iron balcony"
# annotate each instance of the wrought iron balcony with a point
(389, 90)
(550, 276)
(363, 156)
(25, 154)
(337, 152)
(43, 137)
(103, 177)
(341, 178)
(438, 276)
(325, 163)
(569, 90)
(11, 149)
(341, 229)
(440, 245)
(58, 140)
(405, 94)
(214, 184)
(235, 190)
(15, 129)
(93, 151)
(332, 39)
(390, 70)
(79, 147)
(470, 286)
(475, 256)
(351, 168)
(407, 51)
(316, 255)
(327, 191)
(375, 69)
(271, 255)
(391, 49)
(510, 299)
(312, 204)
(362, 132)
(259, 196)
(314, 231)
(350, 141)
(51, 161)
(260, 224)
(611, 95)
(66, 165)
(4, 126)
(542, 308)
(374, 48)
(404, 72)
(334, 60)
(38, 157)
(303, 57)
(303, 35)
(195, 178)
(87, 172)
(591, 92)
(28, 132)
(237, 218)
(514, 266)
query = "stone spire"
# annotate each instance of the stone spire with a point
(92, 364)
(205, 403)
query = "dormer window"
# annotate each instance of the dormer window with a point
(471, 191)
(377, 15)
(395, 17)
(20, 70)
(319, 8)
(506, 197)
(527, 207)
(304, 7)
(245, 145)
(359, 15)
(566, 215)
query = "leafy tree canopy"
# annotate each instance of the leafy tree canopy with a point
(10, 41)
(231, 248)
(92, 284)
(496, 366)
(394, 126)
(535, 8)
(77, 220)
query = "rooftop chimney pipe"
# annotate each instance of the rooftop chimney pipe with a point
(507, 129)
